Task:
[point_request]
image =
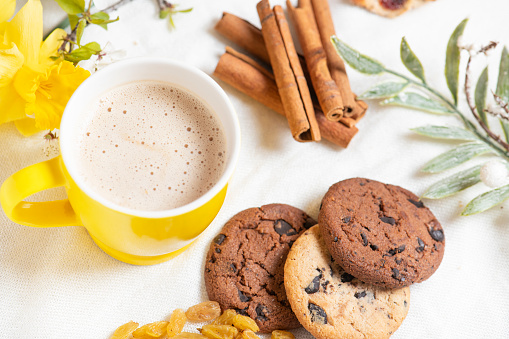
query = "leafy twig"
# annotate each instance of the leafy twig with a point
(471, 105)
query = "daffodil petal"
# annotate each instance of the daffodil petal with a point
(12, 106)
(53, 93)
(50, 47)
(11, 61)
(26, 126)
(7, 8)
(26, 83)
(25, 30)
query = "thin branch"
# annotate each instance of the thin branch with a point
(504, 105)
(472, 106)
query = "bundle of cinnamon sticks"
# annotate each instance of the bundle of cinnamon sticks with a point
(312, 90)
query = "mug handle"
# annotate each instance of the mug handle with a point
(30, 180)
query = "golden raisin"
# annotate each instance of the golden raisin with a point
(219, 331)
(204, 311)
(188, 335)
(245, 323)
(153, 330)
(177, 321)
(124, 331)
(281, 335)
(226, 318)
(247, 334)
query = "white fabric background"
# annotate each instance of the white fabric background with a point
(55, 283)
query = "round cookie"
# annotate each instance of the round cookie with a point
(381, 234)
(331, 303)
(245, 264)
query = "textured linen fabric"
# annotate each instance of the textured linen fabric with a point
(56, 283)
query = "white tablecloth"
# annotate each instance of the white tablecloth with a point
(56, 283)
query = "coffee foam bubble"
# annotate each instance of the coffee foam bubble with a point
(151, 146)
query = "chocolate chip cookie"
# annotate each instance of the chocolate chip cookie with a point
(381, 234)
(245, 264)
(331, 303)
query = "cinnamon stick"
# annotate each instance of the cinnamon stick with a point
(252, 41)
(244, 74)
(244, 34)
(289, 77)
(336, 65)
(326, 89)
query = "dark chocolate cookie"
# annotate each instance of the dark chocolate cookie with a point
(245, 264)
(331, 303)
(381, 234)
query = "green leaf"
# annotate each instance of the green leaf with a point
(452, 60)
(73, 21)
(445, 132)
(101, 19)
(172, 24)
(411, 61)
(83, 53)
(456, 156)
(503, 86)
(164, 13)
(72, 6)
(454, 183)
(481, 89)
(384, 90)
(79, 31)
(185, 10)
(417, 101)
(100, 16)
(357, 61)
(487, 200)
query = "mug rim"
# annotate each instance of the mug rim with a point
(65, 148)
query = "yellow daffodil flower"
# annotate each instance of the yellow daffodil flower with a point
(31, 84)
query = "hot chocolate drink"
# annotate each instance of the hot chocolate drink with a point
(151, 146)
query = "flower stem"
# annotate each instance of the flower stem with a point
(468, 124)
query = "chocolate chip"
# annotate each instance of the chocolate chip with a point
(347, 219)
(420, 242)
(324, 285)
(218, 250)
(261, 312)
(219, 239)
(362, 183)
(345, 277)
(335, 239)
(314, 285)
(364, 239)
(436, 234)
(242, 311)
(405, 303)
(391, 252)
(244, 298)
(373, 247)
(282, 227)
(234, 268)
(388, 220)
(317, 313)
(417, 204)
(310, 222)
(395, 273)
(401, 248)
(331, 259)
(398, 261)
(331, 271)
(359, 295)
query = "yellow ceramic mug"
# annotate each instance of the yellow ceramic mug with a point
(132, 236)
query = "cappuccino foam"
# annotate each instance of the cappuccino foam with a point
(151, 146)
